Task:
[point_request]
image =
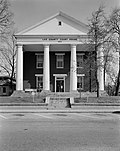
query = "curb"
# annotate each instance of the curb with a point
(46, 104)
(23, 104)
(96, 104)
(59, 111)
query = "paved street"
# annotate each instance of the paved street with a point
(59, 132)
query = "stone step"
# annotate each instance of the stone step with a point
(59, 102)
(58, 98)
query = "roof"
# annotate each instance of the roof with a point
(72, 24)
(6, 83)
(5, 80)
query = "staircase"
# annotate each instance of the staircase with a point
(57, 102)
(60, 100)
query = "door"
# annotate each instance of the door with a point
(59, 84)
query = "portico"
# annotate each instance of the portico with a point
(46, 68)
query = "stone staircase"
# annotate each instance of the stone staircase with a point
(64, 94)
(61, 100)
(57, 102)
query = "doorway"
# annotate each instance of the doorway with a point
(59, 82)
(59, 85)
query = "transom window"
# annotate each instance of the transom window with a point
(80, 82)
(59, 60)
(39, 60)
(39, 82)
(79, 60)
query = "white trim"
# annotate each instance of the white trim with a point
(59, 80)
(60, 75)
(37, 75)
(80, 54)
(81, 75)
(59, 67)
(59, 60)
(27, 42)
(58, 54)
(39, 53)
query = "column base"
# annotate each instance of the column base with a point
(71, 100)
(103, 93)
(20, 93)
(74, 92)
(45, 92)
(47, 100)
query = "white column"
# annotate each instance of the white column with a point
(73, 69)
(46, 69)
(19, 68)
(101, 69)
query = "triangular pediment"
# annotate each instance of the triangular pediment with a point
(59, 24)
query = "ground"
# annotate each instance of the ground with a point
(59, 131)
(40, 99)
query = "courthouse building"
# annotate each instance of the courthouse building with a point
(51, 56)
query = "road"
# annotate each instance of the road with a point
(59, 132)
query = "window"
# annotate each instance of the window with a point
(59, 23)
(60, 61)
(79, 60)
(39, 82)
(39, 60)
(4, 89)
(80, 82)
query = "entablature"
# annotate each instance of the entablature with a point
(52, 39)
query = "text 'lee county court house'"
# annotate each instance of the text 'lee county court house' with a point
(51, 56)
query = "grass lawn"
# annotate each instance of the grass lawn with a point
(10, 99)
(38, 99)
(106, 99)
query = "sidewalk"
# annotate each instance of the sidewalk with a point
(46, 109)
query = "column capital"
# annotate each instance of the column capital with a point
(19, 45)
(46, 45)
(73, 45)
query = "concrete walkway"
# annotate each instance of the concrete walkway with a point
(46, 109)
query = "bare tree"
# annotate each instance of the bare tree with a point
(113, 24)
(7, 41)
(6, 17)
(8, 57)
(98, 34)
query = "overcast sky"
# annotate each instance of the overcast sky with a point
(30, 12)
